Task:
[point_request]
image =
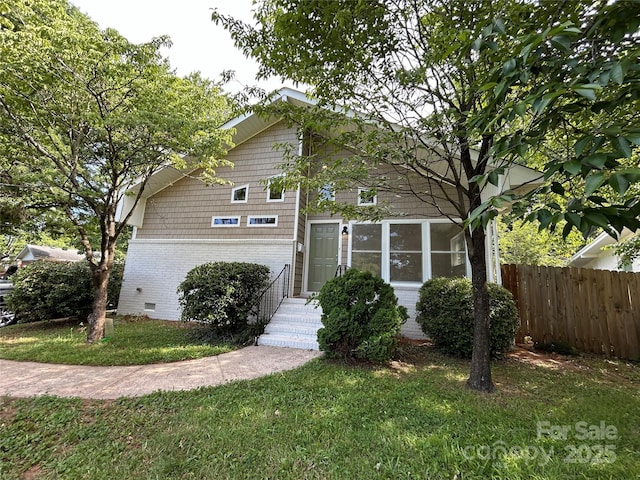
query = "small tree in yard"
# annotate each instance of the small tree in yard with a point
(222, 294)
(361, 317)
(87, 114)
(458, 92)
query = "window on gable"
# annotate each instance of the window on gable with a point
(240, 194)
(225, 221)
(262, 221)
(327, 193)
(367, 197)
(275, 192)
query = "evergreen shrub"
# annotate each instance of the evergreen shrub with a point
(45, 290)
(445, 314)
(222, 294)
(361, 317)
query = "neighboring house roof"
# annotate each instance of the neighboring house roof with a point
(596, 254)
(31, 253)
(250, 124)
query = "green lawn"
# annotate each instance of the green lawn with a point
(136, 341)
(567, 419)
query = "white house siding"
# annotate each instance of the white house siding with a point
(609, 261)
(155, 268)
(408, 296)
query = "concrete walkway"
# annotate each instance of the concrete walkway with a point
(27, 379)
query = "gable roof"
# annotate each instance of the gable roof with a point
(251, 124)
(32, 253)
(596, 248)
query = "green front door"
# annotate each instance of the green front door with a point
(323, 254)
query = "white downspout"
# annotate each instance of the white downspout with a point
(496, 251)
(296, 224)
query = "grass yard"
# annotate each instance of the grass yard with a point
(136, 341)
(551, 418)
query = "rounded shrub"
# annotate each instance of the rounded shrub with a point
(445, 313)
(361, 317)
(46, 290)
(222, 294)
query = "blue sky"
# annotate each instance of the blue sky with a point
(198, 44)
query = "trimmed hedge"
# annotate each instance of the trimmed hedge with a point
(46, 290)
(222, 294)
(361, 317)
(445, 313)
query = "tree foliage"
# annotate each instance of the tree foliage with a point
(45, 290)
(574, 87)
(458, 93)
(628, 251)
(86, 113)
(523, 243)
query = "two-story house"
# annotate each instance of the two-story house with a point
(181, 222)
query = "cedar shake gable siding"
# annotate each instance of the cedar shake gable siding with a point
(184, 210)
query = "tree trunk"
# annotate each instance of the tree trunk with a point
(97, 317)
(480, 375)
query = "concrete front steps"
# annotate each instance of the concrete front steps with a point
(295, 325)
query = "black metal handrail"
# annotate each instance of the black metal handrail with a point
(270, 299)
(341, 270)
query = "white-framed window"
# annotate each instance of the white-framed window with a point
(367, 197)
(327, 192)
(240, 194)
(225, 221)
(408, 251)
(366, 247)
(262, 221)
(275, 193)
(405, 252)
(448, 250)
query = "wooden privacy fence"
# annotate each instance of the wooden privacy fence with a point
(594, 311)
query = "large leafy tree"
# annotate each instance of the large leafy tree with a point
(86, 114)
(576, 88)
(457, 91)
(523, 243)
